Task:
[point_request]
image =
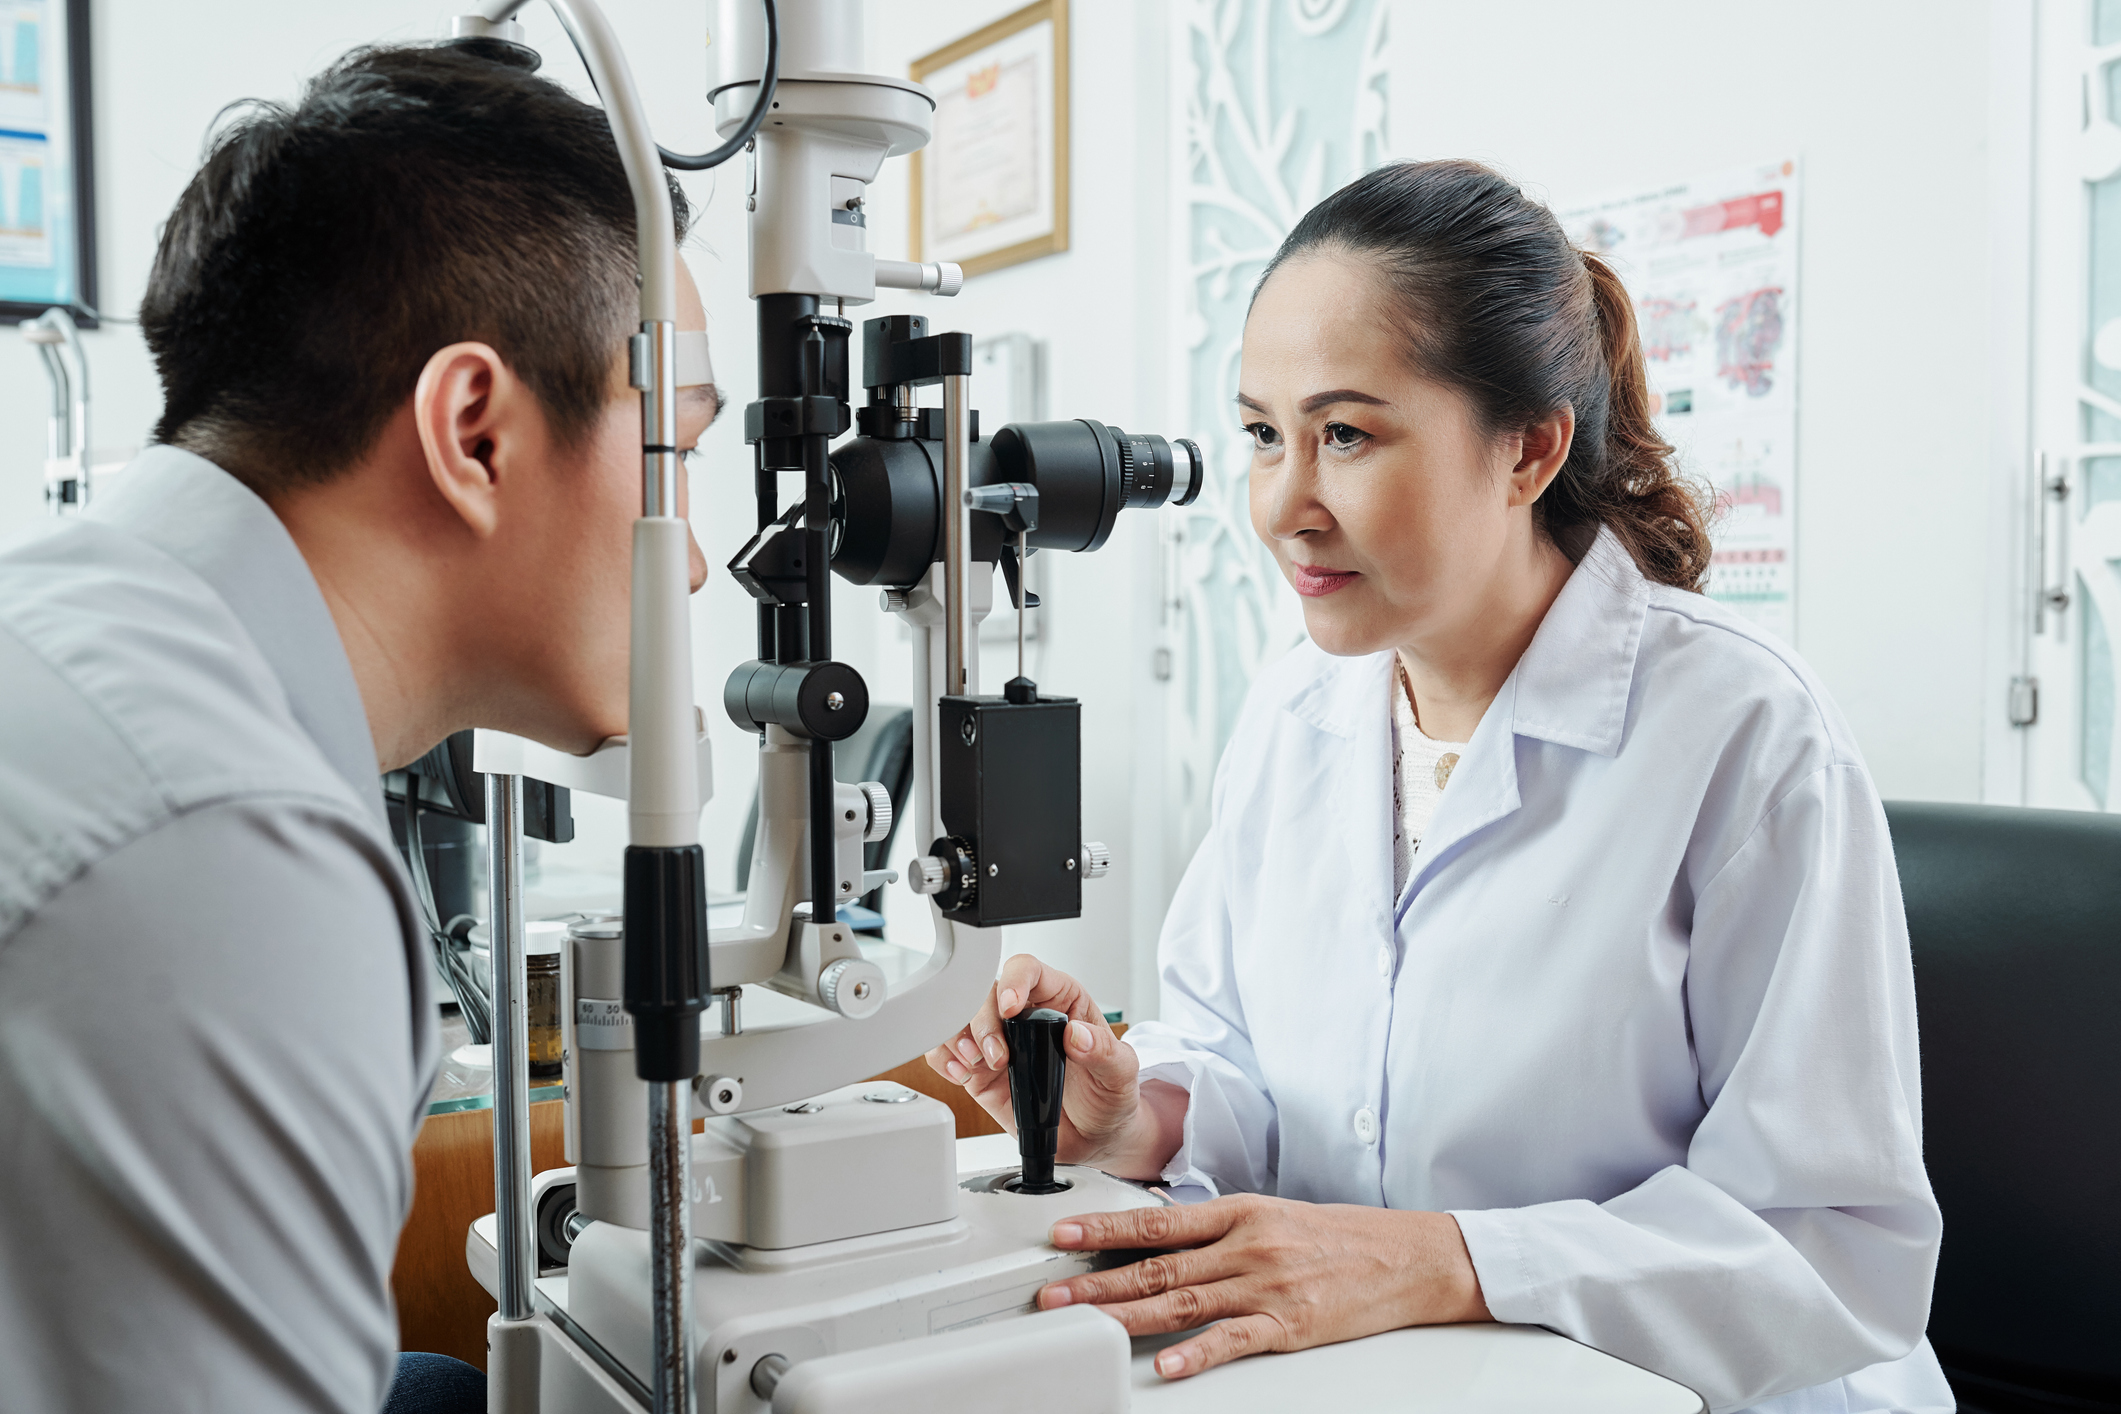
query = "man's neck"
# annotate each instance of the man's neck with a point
(389, 602)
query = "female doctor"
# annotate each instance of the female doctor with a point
(1544, 960)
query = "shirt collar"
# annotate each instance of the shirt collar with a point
(1570, 687)
(1573, 681)
(223, 532)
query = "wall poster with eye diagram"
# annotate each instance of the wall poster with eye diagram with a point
(1712, 267)
(47, 222)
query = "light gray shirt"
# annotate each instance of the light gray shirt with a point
(216, 1038)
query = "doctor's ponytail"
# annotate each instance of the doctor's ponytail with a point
(1495, 302)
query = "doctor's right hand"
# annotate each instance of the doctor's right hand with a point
(1107, 1118)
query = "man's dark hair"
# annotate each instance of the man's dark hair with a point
(412, 198)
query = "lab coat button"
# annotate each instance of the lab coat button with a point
(1366, 1125)
(1384, 962)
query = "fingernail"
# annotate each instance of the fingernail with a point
(968, 1049)
(956, 1072)
(1054, 1296)
(1078, 1036)
(994, 1052)
(1067, 1234)
(1170, 1363)
(1007, 998)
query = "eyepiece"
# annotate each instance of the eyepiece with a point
(1195, 473)
(1087, 473)
(887, 500)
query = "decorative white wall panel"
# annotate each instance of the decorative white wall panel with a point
(1280, 102)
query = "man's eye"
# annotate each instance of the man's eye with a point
(1263, 434)
(1342, 435)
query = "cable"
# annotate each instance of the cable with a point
(99, 316)
(450, 943)
(769, 81)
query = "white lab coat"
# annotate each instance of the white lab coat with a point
(1643, 1018)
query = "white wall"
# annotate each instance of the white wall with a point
(163, 72)
(1887, 104)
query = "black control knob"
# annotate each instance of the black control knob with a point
(1038, 1075)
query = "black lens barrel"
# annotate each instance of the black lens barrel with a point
(1086, 473)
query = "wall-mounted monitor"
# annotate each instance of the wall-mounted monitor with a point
(47, 170)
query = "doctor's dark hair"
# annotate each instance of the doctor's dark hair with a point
(410, 199)
(1496, 303)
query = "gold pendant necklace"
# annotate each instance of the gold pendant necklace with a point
(1445, 763)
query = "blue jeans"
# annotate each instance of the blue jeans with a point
(435, 1384)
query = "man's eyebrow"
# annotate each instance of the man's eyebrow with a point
(1339, 395)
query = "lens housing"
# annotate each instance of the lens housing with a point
(890, 492)
(1087, 472)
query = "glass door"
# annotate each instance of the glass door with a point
(2072, 595)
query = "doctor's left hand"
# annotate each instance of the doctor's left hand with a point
(1273, 1274)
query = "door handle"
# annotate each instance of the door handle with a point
(2051, 594)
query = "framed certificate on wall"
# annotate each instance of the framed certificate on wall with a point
(991, 187)
(47, 190)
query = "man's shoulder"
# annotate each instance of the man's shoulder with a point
(134, 696)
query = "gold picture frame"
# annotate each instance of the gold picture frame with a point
(991, 65)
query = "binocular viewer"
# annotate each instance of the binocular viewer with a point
(1069, 480)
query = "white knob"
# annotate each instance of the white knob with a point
(723, 1094)
(1097, 860)
(927, 874)
(852, 987)
(879, 811)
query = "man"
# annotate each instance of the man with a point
(398, 466)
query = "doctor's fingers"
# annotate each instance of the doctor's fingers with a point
(1185, 1277)
(1228, 1303)
(1025, 982)
(1223, 1342)
(1104, 1078)
(1191, 1225)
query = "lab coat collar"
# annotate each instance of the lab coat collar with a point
(223, 532)
(1571, 686)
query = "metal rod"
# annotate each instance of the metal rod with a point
(511, 1045)
(767, 491)
(817, 515)
(1023, 594)
(59, 436)
(659, 418)
(824, 843)
(957, 532)
(670, 1242)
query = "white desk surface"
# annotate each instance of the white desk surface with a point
(1473, 1369)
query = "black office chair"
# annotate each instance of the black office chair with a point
(883, 749)
(2015, 917)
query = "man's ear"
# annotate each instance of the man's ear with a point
(471, 414)
(1543, 450)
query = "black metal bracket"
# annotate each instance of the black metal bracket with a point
(898, 350)
(773, 566)
(794, 417)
